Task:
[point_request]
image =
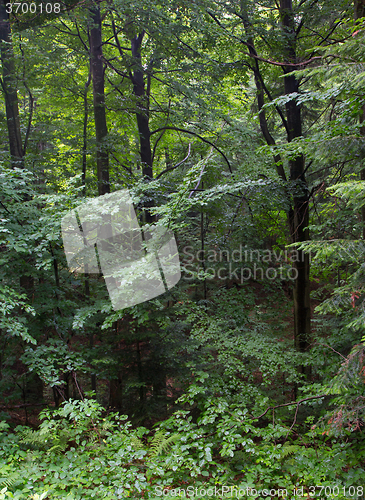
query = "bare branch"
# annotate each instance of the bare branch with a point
(334, 350)
(289, 404)
(175, 166)
(199, 137)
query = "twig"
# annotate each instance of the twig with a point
(175, 166)
(334, 350)
(195, 135)
(294, 422)
(289, 404)
(197, 184)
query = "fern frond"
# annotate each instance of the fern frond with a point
(137, 443)
(33, 438)
(107, 425)
(160, 443)
(9, 481)
(58, 448)
(44, 440)
(289, 449)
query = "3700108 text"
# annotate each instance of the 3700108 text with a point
(33, 8)
(335, 491)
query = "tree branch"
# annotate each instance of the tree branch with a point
(289, 404)
(199, 137)
(175, 166)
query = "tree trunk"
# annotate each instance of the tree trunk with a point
(142, 107)
(9, 87)
(101, 130)
(84, 133)
(116, 393)
(299, 217)
(142, 114)
(359, 9)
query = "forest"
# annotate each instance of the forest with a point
(182, 249)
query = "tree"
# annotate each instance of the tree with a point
(283, 48)
(97, 71)
(9, 88)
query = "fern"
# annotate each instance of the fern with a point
(288, 450)
(59, 447)
(9, 477)
(160, 443)
(42, 440)
(106, 425)
(33, 438)
(137, 443)
(9, 481)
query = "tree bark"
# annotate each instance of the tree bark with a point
(9, 87)
(84, 133)
(359, 9)
(142, 107)
(299, 216)
(101, 130)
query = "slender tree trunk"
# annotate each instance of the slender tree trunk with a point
(83, 178)
(142, 107)
(101, 130)
(142, 94)
(299, 217)
(84, 133)
(9, 87)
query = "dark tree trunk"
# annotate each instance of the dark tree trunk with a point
(299, 217)
(359, 9)
(142, 106)
(116, 393)
(101, 130)
(261, 94)
(9, 88)
(84, 133)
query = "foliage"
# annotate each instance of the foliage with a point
(200, 387)
(104, 456)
